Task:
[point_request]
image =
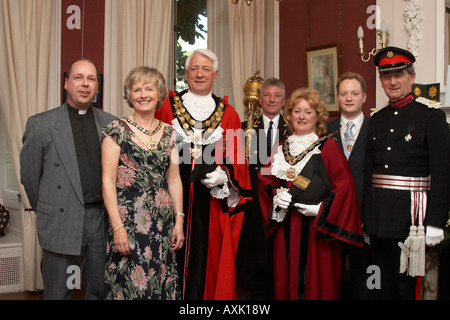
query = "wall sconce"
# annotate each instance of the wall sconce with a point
(382, 36)
(248, 2)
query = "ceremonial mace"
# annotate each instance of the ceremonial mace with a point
(252, 108)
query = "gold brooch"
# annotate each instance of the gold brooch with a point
(290, 173)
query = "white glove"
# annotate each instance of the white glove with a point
(216, 178)
(309, 210)
(282, 199)
(366, 238)
(281, 202)
(433, 236)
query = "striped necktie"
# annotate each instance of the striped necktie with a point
(348, 139)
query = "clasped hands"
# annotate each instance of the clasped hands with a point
(122, 241)
(283, 199)
(216, 178)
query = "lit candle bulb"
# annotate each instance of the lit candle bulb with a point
(360, 37)
(383, 34)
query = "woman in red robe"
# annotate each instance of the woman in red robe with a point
(309, 204)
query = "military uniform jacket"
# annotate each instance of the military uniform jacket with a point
(409, 139)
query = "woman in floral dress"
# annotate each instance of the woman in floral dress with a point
(143, 196)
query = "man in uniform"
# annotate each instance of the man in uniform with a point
(408, 177)
(213, 197)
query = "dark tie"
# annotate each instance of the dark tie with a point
(269, 139)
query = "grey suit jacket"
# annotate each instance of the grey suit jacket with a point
(50, 175)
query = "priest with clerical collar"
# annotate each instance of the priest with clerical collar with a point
(60, 165)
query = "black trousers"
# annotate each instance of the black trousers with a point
(385, 253)
(359, 261)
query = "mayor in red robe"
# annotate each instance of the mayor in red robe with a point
(214, 216)
(216, 181)
(308, 201)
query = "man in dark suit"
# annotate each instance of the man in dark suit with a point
(254, 250)
(61, 172)
(351, 134)
(408, 177)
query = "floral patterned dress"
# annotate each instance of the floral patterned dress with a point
(150, 271)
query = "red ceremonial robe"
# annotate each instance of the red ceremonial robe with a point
(338, 223)
(212, 229)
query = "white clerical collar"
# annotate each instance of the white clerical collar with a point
(80, 112)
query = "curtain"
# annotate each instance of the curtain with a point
(247, 33)
(29, 83)
(137, 32)
(447, 44)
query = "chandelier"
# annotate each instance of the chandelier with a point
(248, 2)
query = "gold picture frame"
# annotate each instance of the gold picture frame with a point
(323, 65)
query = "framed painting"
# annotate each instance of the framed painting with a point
(323, 65)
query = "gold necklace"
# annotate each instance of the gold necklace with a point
(151, 144)
(188, 123)
(291, 173)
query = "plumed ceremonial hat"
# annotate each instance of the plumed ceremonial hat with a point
(392, 59)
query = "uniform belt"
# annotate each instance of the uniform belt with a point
(412, 256)
(401, 183)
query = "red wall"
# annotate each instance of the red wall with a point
(306, 24)
(87, 42)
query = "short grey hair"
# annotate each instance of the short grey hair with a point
(206, 53)
(273, 82)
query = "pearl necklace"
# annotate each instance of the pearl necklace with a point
(151, 144)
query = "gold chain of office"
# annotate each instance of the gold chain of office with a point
(188, 123)
(294, 160)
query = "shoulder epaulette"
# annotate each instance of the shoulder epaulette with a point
(429, 103)
(378, 109)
